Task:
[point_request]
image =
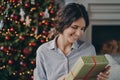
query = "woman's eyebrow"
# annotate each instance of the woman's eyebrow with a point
(78, 26)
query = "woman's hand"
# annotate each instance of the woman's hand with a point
(104, 75)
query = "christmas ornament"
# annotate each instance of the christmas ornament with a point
(33, 2)
(52, 11)
(1, 24)
(23, 64)
(27, 5)
(27, 21)
(2, 48)
(32, 62)
(21, 37)
(22, 13)
(12, 29)
(46, 14)
(15, 17)
(42, 41)
(41, 13)
(52, 24)
(32, 44)
(33, 29)
(7, 38)
(10, 62)
(39, 24)
(2, 7)
(5, 50)
(27, 50)
(46, 23)
(45, 32)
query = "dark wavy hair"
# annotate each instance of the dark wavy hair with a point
(68, 14)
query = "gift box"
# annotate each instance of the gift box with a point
(87, 68)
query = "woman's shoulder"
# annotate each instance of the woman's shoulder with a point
(87, 47)
(45, 45)
(85, 43)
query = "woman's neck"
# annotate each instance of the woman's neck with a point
(63, 44)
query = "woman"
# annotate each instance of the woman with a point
(55, 58)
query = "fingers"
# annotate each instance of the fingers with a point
(100, 78)
(107, 68)
(103, 76)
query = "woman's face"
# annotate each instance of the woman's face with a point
(74, 31)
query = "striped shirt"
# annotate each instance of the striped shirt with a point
(51, 63)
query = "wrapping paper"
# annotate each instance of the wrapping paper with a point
(87, 68)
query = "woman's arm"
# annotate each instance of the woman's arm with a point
(39, 71)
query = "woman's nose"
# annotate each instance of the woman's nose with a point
(78, 32)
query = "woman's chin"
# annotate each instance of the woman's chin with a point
(73, 40)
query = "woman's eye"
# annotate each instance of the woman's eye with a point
(83, 29)
(74, 27)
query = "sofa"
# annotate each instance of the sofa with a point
(114, 62)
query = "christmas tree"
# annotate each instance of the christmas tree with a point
(24, 25)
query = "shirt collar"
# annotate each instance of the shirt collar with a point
(77, 44)
(53, 43)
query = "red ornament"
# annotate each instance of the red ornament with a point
(39, 24)
(10, 62)
(12, 29)
(24, 65)
(46, 23)
(3, 7)
(32, 62)
(45, 32)
(7, 38)
(52, 24)
(27, 50)
(21, 37)
(27, 5)
(32, 44)
(33, 29)
(52, 11)
(41, 13)
(15, 17)
(42, 41)
(5, 50)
